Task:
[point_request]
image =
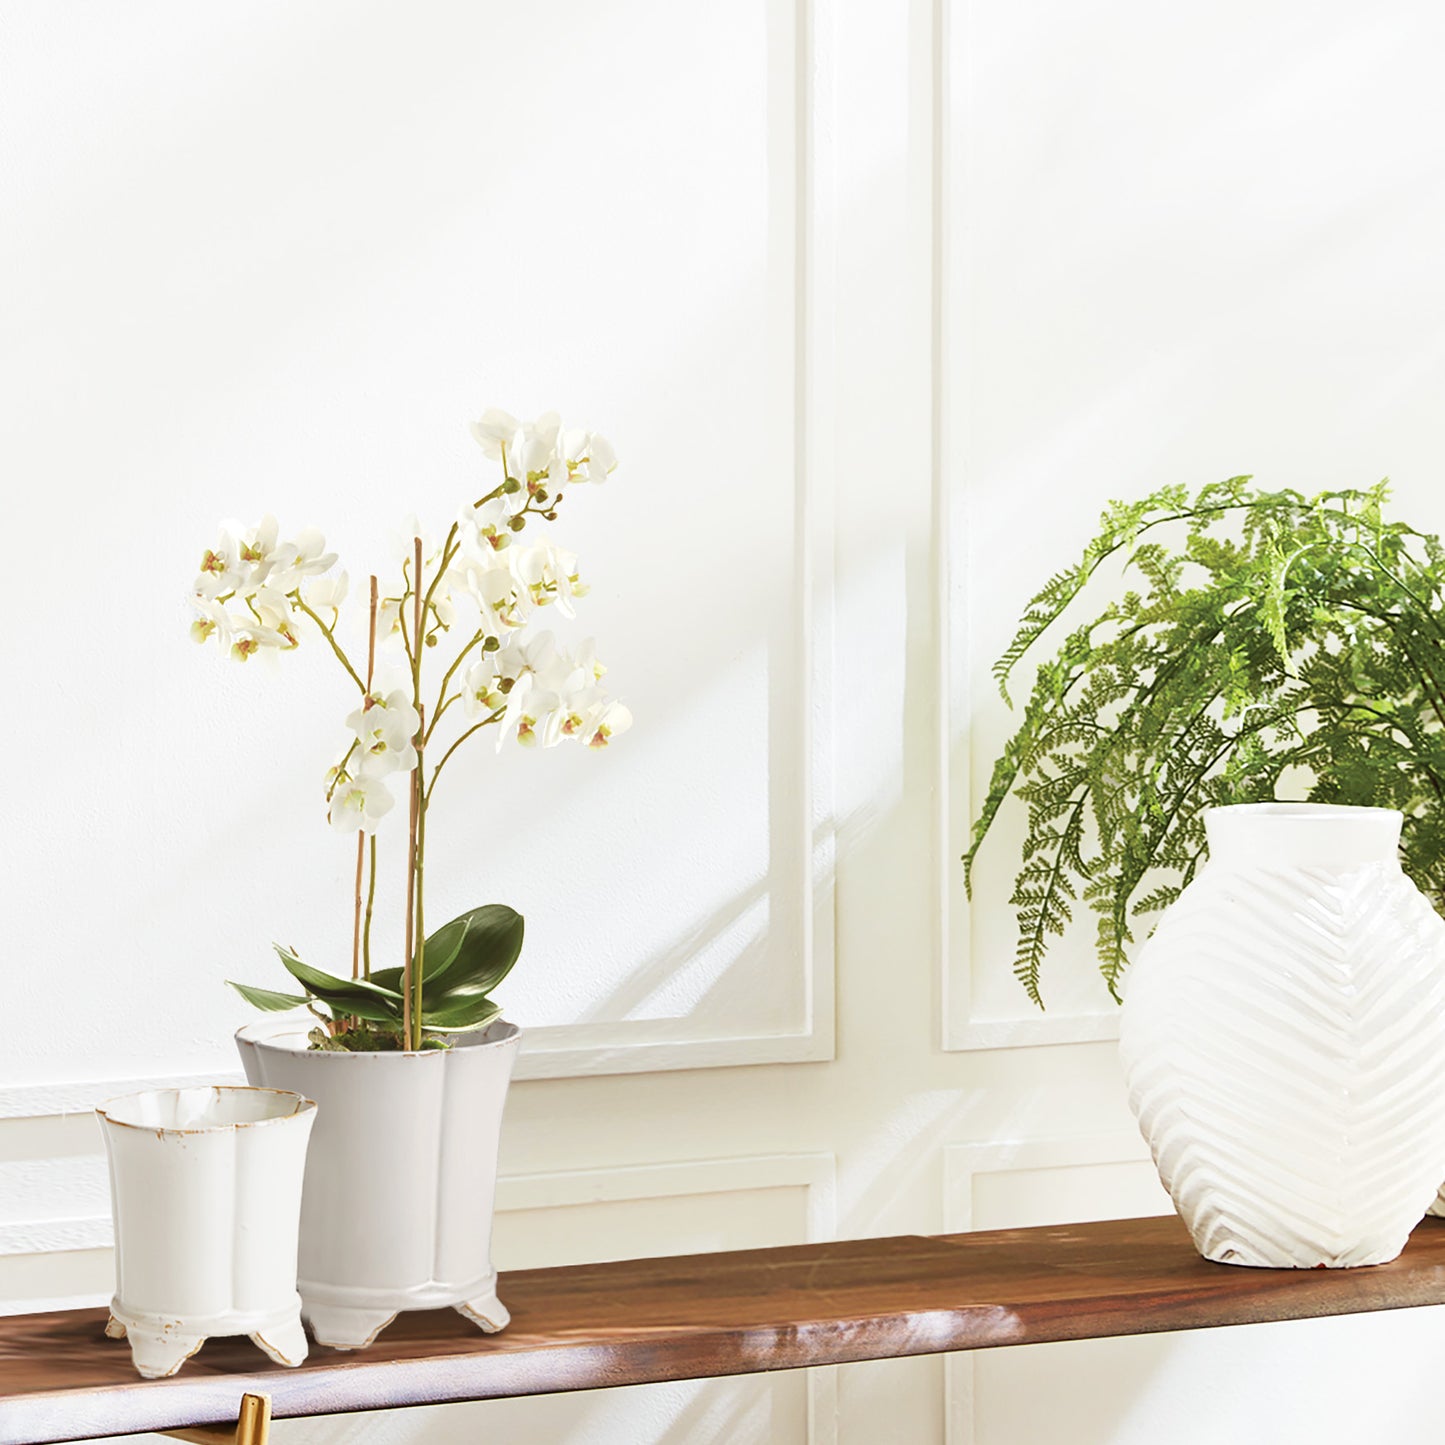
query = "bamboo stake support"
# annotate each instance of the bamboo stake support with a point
(253, 1427)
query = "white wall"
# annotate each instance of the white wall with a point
(879, 304)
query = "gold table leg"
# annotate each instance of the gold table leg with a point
(253, 1428)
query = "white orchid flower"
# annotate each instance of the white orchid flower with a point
(540, 719)
(290, 563)
(250, 638)
(516, 707)
(386, 727)
(601, 460)
(253, 586)
(549, 574)
(538, 445)
(388, 617)
(214, 620)
(490, 525)
(259, 542)
(359, 803)
(273, 610)
(579, 704)
(552, 696)
(496, 430)
(589, 456)
(480, 691)
(493, 589)
(587, 660)
(606, 721)
(222, 570)
(521, 657)
(326, 594)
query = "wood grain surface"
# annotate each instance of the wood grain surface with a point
(589, 1326)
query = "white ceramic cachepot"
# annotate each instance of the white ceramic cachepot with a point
(1283, 1040)
(205, 1190)
(400, 1185)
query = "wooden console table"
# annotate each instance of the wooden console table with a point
(585, 1327)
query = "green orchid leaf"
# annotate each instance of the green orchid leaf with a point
(360, 1007)
(353, 996)
(267, 999)
(460, 1013)
(474, 952)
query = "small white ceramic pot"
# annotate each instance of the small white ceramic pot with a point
(1283, 1038)
(401, 1180)
(205, 1188)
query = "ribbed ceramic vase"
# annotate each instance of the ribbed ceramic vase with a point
(205, 1190)
(1283, 1040)
(401, 1179)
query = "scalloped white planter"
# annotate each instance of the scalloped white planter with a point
(401, 1179)
(206, 1195)
(1283, 1039)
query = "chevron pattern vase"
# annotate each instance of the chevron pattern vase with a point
(1283, 1041)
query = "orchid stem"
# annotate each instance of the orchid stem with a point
(370, 903)
(406, 971)
(415, 961)
(419, 952)
(361, 834)
(443, 701)
(330, 636)
(356, 920)
(475, 727)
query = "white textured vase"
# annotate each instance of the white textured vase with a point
(1283, 1040)
(206, 1193)
(401, 1179)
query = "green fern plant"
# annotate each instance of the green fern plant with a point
(1266, 645)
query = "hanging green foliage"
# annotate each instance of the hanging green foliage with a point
(1267, 645)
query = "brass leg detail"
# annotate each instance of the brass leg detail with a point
(253, 1428)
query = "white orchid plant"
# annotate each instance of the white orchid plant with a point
(474, 600)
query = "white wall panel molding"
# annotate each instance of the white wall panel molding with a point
(1054, 1180)
(550, 1189)
(964, 1025)
(54, 1204)
(51, 1206)
(46, 1101)
(801, 206)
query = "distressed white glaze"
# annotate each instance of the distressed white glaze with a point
(206, 1196)
(1283, 1038)
(401, 1180)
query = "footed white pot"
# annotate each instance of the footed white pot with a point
(401, 1181)
(205, 1189)
(1283, 1040)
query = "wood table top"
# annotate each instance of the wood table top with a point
(582, 1327)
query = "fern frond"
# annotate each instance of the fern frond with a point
(1263, 638)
